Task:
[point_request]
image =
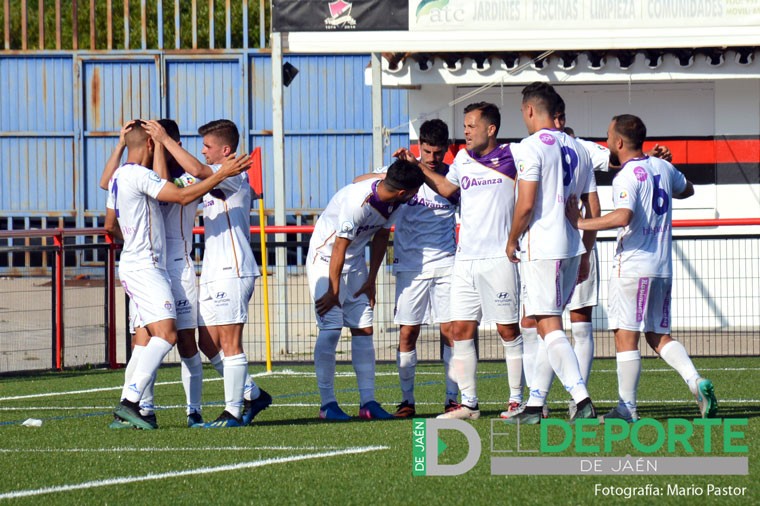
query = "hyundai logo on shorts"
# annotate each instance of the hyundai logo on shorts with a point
(221, 295)
(183, 303)
(502, 295)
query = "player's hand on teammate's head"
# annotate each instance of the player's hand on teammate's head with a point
(406, 154)
(232, 165)
(661, 152)
(124, 130)
(573, 210)
(156, 131)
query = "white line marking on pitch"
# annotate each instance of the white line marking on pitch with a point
(189, 472)
(164, 449)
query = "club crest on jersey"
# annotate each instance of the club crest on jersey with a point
(347, 226)
(521, 166)
(154, 177)
(640, 173)
(547, 139)
(167, 304)
(623, 194)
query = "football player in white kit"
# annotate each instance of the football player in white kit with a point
(552, 167)
(178, 224)
(424, 245)
(484, 283)
(228, 272)
(641, 277)
(342, 288)
(136, 191)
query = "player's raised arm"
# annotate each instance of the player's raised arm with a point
(231, 167)
(113, 161)
(437, 182)
(188, 162)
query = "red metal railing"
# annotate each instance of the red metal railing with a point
(59, 234)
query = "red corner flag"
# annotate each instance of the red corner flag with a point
(254, 174)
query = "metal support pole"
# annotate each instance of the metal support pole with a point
(377, 111)
(58, 287)
(278, 157)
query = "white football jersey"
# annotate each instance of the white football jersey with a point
(425, 236)
(355, 213)
(487, 200)
(600, 156)
(563, 168)
(179, 221)
(227, 223)
(646, 186)
(133, 190)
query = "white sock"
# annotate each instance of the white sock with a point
(324, 363)
(146, 401)
(406, 361)
(530, 348)
(130, 369)
(583, 346)
(543, 375)
(628, 373)
(363, 360)
(565, 364)
(150, 360)
(192, 380)
(674, 354)
(513, 355)
(235, 374)
(465, 362)
(218, 362)
(452, 388)
(252, 390)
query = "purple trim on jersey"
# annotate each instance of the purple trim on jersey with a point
(634, 160)
(642, 294)
(499, 159)
(384, 208)
(665, 322)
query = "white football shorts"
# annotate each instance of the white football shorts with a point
(548, 285)
(151, 291)
(354, 312)
(485, 290)
(586, 293)
(224, 301)
(185, 290)
(640, 304)
(421, 299)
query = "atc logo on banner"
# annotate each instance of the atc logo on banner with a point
(339, 15)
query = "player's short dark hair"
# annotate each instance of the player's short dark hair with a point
(630, 128)
(136, 135)
(434, 132)
(171, 127)
(488, 111)
(569, 131)
(544, 98)
(404, 175)
(224, 129)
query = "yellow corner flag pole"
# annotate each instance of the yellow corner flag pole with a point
(256, 181)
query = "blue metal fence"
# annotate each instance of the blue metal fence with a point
(60, 117)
